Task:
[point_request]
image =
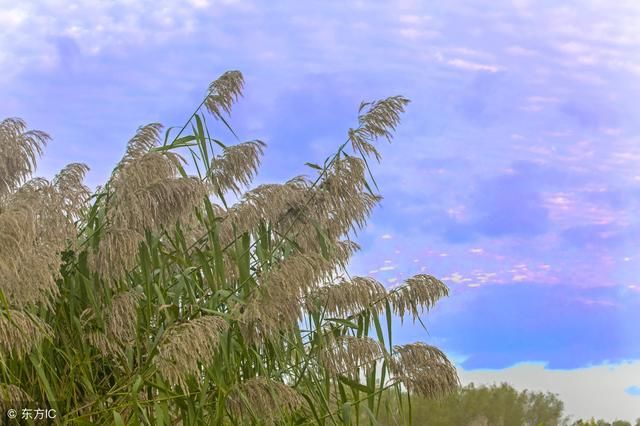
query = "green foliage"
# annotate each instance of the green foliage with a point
(487, 405)
(594, 422)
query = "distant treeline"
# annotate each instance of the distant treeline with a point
(497, 405)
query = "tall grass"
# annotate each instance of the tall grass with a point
(155, 300)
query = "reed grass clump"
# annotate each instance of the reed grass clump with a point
(155, 300)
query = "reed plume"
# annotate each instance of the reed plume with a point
(236, 167)
(345, 355)
(187, 346)
(380, 120)
(417, 294)
(149, 303)
(146, 192)
(424, 369)
(20, 332)
(37, 223)
(263, 399)
(19, 150)
(223, 92)
(348, 297)
(12, 396)
(277, 304)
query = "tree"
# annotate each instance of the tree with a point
(156, 301)
(600, 422)
(489, 405)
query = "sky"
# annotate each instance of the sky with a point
(514, 175)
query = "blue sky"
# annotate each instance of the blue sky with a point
(514, 176)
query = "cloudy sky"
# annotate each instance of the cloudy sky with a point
(515, 175)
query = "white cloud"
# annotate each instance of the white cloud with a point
(413, 33)
(597, 391)
(12, 18)
(32, 28)
(520, 51)
(472, 66)
(456, 277)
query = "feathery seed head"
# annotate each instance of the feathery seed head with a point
(187, 346)
(236, 167)
(264, 399)
(104, 344)
(380, 120)
(69, 184)
(146, 189)
(348, 297)
(277, 304)
(424, 369)
(12, 396)
(20, 333)
(19, 149)
(36, 225)
(269, 203)
(122, 316)
(146, 193)
(116, 253)
(417, 294)
(140, 144)
(343, 250)
(223, 92)
(345, 355)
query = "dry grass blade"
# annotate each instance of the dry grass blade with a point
(187, 346)
(417, 294)
(263, 399)
(424, 369)
(20, 333)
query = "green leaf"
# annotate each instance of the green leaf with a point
(313, 166)
(344, 322)
(117, 419)
(372, 417)
(355, 385)
(346, 414)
